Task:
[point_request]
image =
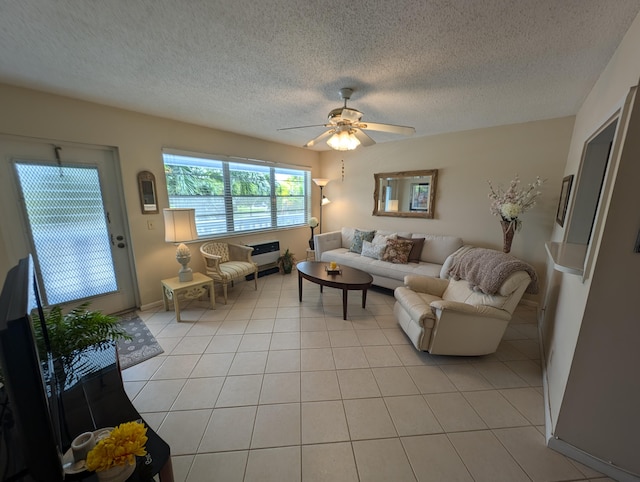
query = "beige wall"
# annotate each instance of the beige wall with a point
(139, 139)
(465, 161)
(569, 293)
(591, 327)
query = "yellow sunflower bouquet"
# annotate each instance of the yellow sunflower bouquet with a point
(121, 447)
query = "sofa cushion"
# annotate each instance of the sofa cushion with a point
(358, 238)
(416, 248)
(372, 250)
(397, 251)
(437, 248)
(379, 268)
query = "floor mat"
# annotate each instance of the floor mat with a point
(141, 347)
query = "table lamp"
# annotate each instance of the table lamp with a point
(180, 227)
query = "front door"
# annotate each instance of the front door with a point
(69, 214)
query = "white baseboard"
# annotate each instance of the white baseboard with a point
(151, 306)
(616, 473)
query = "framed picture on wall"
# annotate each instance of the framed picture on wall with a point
(563, 203)
(419, 197)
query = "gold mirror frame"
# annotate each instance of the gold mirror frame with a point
(414, 194)
(147, 189)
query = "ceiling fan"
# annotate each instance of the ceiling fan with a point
(346, 129)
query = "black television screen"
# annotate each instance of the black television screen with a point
(30, 388)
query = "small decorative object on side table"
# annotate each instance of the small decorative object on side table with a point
(173, 289)
(332, 268)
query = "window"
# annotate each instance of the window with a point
(232, 196)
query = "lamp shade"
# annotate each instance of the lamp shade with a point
(392, 205)
(179, 225)
(325, 201)
(321, 182)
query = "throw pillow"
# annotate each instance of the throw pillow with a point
(358, 238)
(371, 250)
(397, 251)
(382, 238)
(416, 248)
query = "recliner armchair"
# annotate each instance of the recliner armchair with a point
(448, 317)
(225, 262)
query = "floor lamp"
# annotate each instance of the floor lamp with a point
(321, 183)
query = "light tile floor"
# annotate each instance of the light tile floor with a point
(267, 388)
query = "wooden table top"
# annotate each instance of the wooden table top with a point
(347, 276)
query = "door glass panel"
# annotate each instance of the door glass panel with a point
(68, 227)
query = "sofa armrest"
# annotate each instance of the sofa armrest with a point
(476, 310)
(426, 284)
(238, 252)
(325, 242)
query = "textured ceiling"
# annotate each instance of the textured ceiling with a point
(252, 67)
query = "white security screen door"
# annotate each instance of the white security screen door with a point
(72, 217)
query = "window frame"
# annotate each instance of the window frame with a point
(229, 164)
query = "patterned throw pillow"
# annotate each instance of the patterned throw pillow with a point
(416, 248)
(358, 238)
(371, 250)
(397, 251)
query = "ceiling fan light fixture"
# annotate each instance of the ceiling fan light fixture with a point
(344, 140)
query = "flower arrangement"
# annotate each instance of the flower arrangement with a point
(313, 223)
(510, 203)
(120, 447)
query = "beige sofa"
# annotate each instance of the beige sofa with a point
(453, 317)
(334, 246)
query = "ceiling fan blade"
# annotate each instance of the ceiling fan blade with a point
(322, 136)
(301, 127)
(402, 130)
(364, 139)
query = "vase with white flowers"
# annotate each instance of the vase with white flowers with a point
(313, 223)
(510, 203)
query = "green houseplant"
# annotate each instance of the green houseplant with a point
(71, 333)
(286, 262)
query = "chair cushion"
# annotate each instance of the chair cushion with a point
(219, 249)
(236, 269)
(461, 290)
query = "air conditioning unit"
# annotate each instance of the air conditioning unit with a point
(265, 254)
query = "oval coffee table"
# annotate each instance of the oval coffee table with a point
(347, 279)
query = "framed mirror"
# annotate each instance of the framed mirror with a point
(147, 188)
(409, 194)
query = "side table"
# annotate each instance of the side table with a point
(174, 289)
(311, 255)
